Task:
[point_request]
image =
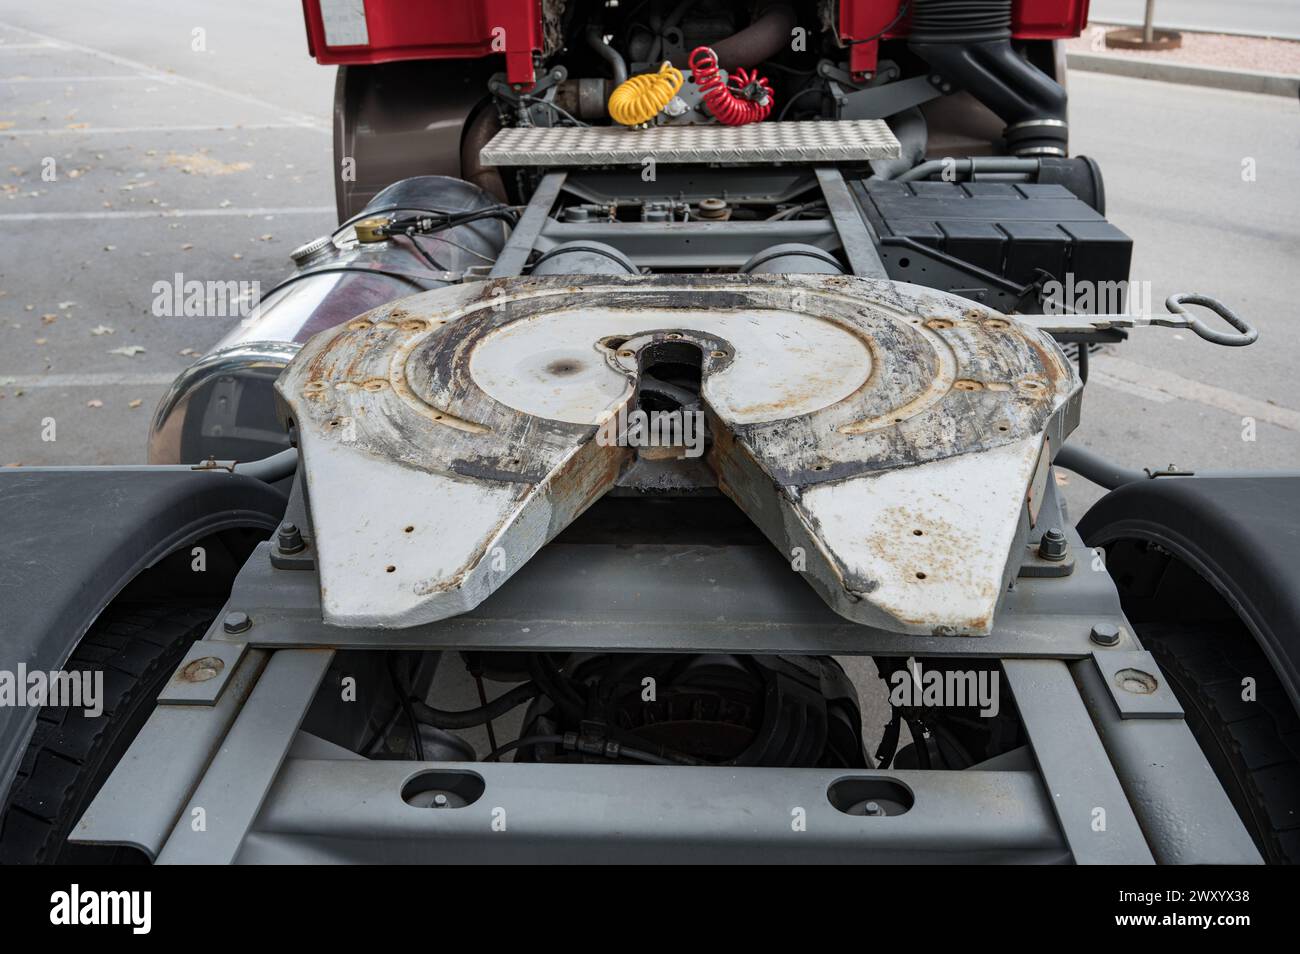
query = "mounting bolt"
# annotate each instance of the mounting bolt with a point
(289, 539)
(1053, 546)
(873, 809)
(1105, 634)
(237, 622)
(440, 800)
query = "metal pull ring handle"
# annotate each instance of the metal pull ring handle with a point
(1248, 333)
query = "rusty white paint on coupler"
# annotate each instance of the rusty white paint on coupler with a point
(884, 436)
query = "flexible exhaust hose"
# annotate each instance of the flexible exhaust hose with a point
(968, 42)
(939, 21)
(766, 36)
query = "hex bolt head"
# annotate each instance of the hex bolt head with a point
(289, 538)
(1105, 634)
(1053, 546)
(237, 622)
(440, 800)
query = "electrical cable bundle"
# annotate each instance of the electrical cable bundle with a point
(749, 100)
(640, 99)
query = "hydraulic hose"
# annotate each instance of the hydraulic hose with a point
(913, 136)
(607, 53)
(269, 469)
(1092, 466)
(467, 718)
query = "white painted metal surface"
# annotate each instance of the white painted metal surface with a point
(516, 364)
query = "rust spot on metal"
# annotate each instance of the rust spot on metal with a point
(585, 477)
(201, 670)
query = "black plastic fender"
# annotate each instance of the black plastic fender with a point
(71, 540)
(1240, 534)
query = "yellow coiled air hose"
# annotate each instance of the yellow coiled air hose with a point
(639, 99)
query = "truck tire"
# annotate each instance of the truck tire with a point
(1253, 746)
(70, 755)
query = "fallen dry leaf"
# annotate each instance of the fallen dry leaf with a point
(134, 404)
(129, 351)
(94, 402)
(101, 330)
(201, 165)
(49, 319)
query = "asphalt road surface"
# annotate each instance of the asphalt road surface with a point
(193, 138)
(1262, 17)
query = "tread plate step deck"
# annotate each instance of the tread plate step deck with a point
(856, 140)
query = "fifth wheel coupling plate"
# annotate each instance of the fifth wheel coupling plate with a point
(886, 437)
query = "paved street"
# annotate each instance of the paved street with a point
(166, 159)
(214, 163)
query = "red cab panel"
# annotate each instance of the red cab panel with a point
(382, 31)
(863, 22)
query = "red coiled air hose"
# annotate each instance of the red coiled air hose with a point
(726, 103)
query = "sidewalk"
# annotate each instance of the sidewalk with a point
(1225, 61)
